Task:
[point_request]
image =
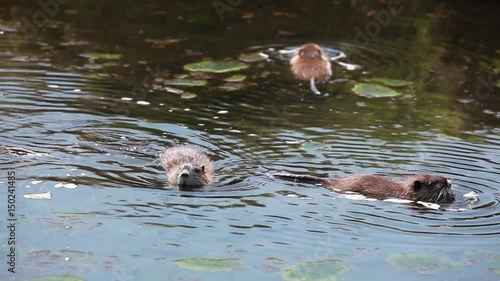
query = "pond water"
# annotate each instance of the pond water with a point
(84, 87)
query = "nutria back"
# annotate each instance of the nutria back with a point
(428, 188)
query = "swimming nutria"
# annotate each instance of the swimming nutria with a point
(187, 167)
(310, 64)
(427, 188)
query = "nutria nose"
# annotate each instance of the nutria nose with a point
(184, 175)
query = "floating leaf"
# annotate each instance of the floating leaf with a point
(46, 195)
(326, 270)
(57, 278)
(210, 265)
(215, 66)
(188, 95)
(236, 78)
(186, 82)
(311, 145)
(376, 91)
(74, 255)
(253, 57)
(421, 261)
(101, 56)
(392, 82)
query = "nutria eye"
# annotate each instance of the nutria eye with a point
(197, 170)
(433, 182)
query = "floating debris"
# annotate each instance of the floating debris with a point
(101, 56)
(46, 195)
(253, 57)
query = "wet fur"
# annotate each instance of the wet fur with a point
(311, 64)
(187, 167)
(427, 188)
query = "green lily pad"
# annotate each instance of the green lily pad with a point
(209, 265)
(186, 82)
(101, 56)
(215, 66)
(326, 270)
(57, 278)
(253, 57)
(419, 261)
(236, 78)
(188, 95)
(374, 91)
(392, 82)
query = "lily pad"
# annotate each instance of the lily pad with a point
(253, 57)
(236, 78)
(101, 56)
(216, 66)
(421, 261)
(392, 82)
(374, 91)
(188, 95)
(57, 278)
(186, 82)
(209, 265)
(326, 270)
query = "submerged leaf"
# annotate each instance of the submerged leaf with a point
(57, 278)
(210, 265)
(215, 66)
(326, 270)
(392, 82)
(371, 90)
(421, 261)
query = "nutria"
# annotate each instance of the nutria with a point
(428, 188)
(311, 64)
(187, 167)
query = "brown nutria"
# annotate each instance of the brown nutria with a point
(311, 64)
(427, 188)
(187, 167)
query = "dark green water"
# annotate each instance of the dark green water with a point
(82, 116)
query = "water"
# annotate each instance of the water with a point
(119, 224)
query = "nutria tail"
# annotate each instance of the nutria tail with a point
(299, 178)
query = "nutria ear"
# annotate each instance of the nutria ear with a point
(202, 169)
(417, 185)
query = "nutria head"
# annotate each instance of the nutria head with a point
(191, 175)
(310, 51)
(431, 188)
